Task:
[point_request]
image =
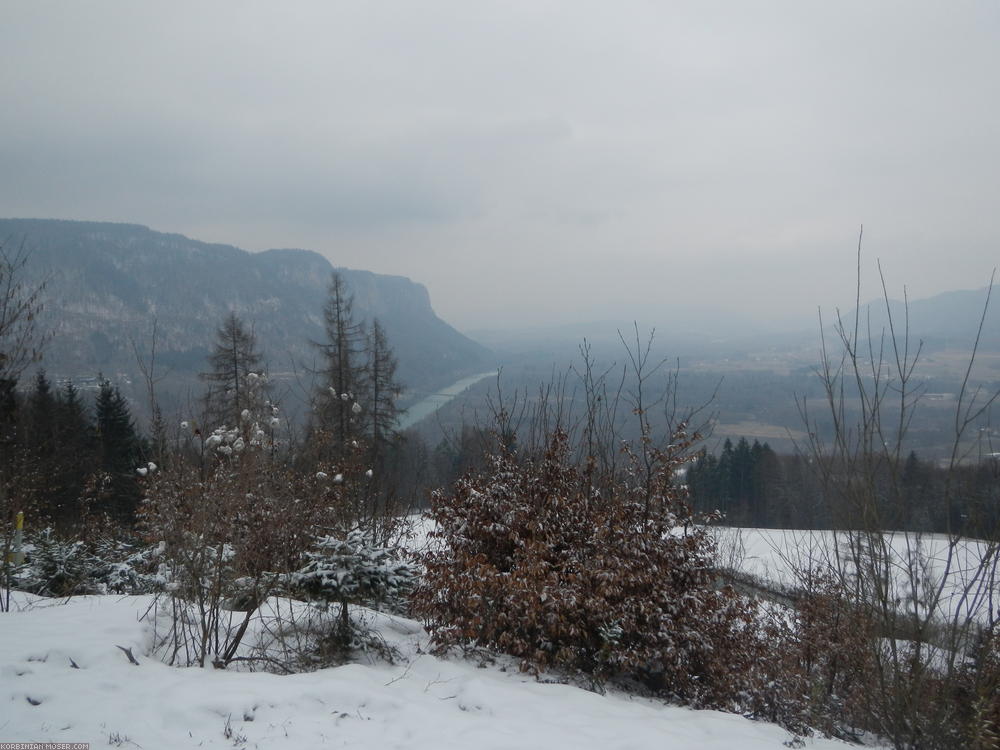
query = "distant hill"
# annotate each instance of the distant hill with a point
(947, 320)
(107, 282)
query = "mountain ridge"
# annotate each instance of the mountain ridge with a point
(107, 282)
(947, 319)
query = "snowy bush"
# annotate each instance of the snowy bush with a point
(230, 532)
(815, 672)
(303, 636)
(611, 580)
(353, 570)
(56, 566)
(979, 693)
(129, 567)
(345, 571)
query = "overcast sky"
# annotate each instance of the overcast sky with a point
(530, 162)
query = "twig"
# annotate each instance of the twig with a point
(128, 653)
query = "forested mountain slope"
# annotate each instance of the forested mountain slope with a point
(108, 282)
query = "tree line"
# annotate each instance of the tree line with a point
(71, 459)
(753, 486)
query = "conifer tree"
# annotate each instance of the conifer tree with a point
(57, 439)
(342, 380)
(725, 470)
(234, 357)
(74, 438)
(27, 446)
(41, 416)
(383, 391)
(119, 452)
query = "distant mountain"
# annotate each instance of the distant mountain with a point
(107, 282)
(947, 320)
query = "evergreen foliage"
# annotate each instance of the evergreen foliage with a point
(343, 383)
(119, 451)
(57, 566)
(353, 569)
(739, 483)
(233, 358)
(383, 391)
(354, 414)
(754, 486)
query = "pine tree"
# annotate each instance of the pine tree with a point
(769, 488)
(41, 416)
(917, 493)
(234, 357)
(119, 452)
(74, 437)
(726, 471)
(37, 444)
(383, 391)
(342, 382)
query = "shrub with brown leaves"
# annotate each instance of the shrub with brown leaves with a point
(611, 579)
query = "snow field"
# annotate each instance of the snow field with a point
(968, 591)
(421, 703)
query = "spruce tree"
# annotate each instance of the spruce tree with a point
(233, 358)
(119, 452)
(383, 392)
(342, 381)
(74, 437)
(36, 445)
(726, 471)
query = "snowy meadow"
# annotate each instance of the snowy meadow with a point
(65, 679)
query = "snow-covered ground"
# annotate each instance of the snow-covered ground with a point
(966, 570)
(64, 679)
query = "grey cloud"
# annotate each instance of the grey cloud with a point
(581, 156)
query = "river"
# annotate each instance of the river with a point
(427, 406)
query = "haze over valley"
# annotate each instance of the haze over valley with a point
(106, 285)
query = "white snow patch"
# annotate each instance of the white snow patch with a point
(423, 703)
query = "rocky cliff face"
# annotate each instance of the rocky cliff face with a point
(108, 282)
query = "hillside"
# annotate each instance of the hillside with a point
(108, 282)
(945, 321)
(69, 683)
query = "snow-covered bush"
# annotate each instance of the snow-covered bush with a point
(979, 693)
(323, 624)
(128, 566)
(613, 580)
(294, 636)
(55, 566)
(354, 570)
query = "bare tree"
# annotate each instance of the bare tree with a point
(930, 600)
(157, 427)
(21, 340)
(21, 343)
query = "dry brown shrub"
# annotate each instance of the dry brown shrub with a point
(611, 580)
(231, 530)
